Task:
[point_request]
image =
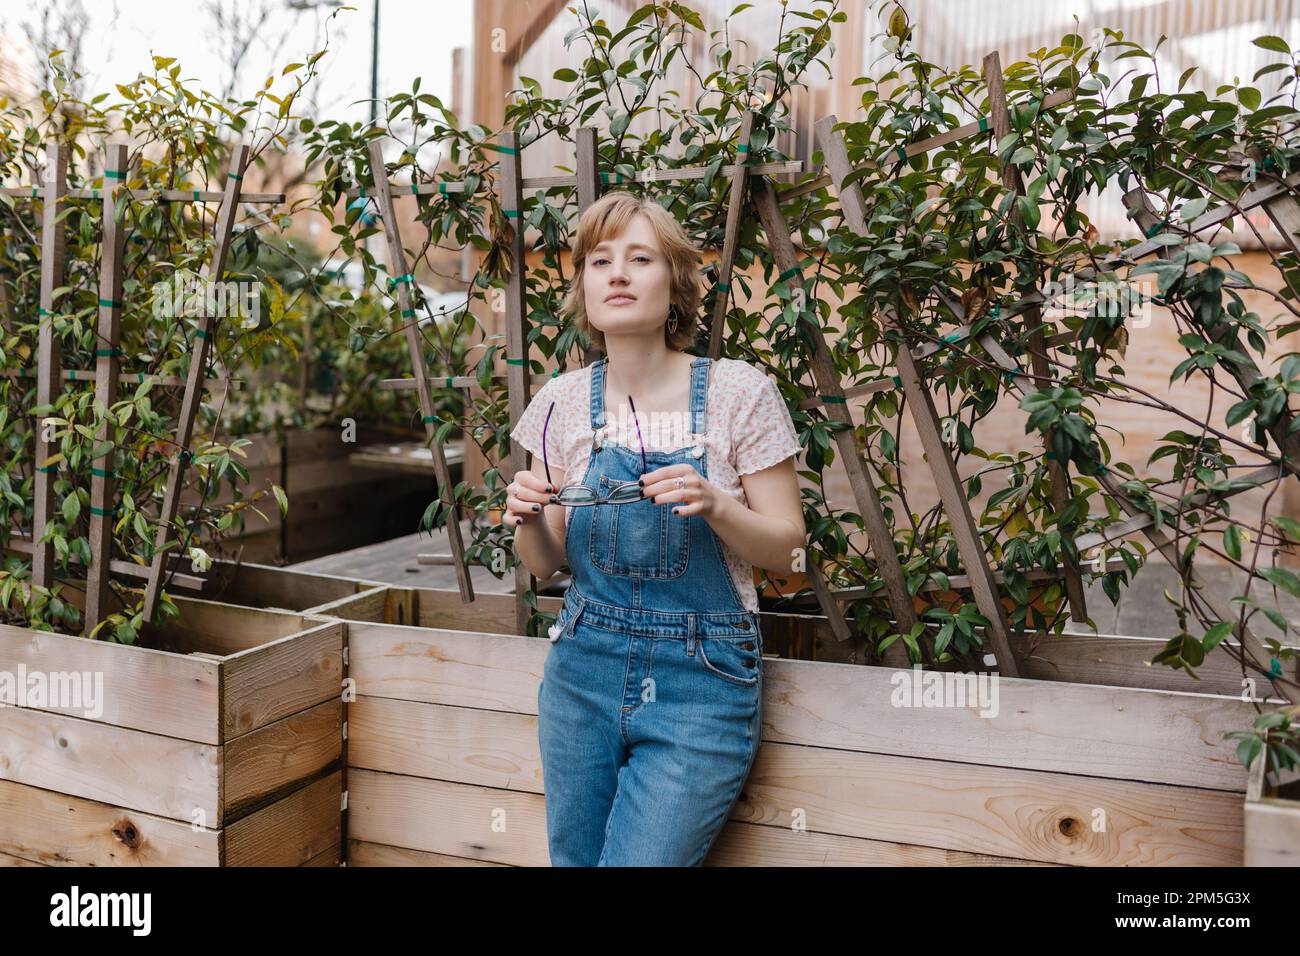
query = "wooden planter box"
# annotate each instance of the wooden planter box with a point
(226, 749)
(270, 587)
(1083, 765)
(334, 504)
(1272, 819)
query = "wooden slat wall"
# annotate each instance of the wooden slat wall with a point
(876, 782)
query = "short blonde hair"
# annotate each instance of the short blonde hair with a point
(605, 219)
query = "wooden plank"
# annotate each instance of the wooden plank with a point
(143, 689)
(136, 378)
(290, 832)
(1272, 822)
(213, 271)
(402, 278)
(15, 861)
(22, 544)
(510, 194)
(56, 829)
(103, 487)
(249, 583)
(331, 857)
(361, 853)
(226, 629)
(263, 766)
(971, 809)
(1151, 736)
(153, 195)
(681, 174)
(1058, 472)
(369, 605)
(1284, 211)
(174, 778)
(730, 236)
(587, 182)
(864, 490)
(921, 406)
(1142, 520)
(48, 356)
(973, 128)
(269, 682)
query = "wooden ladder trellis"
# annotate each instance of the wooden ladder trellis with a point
(107, 373)
(213, 270)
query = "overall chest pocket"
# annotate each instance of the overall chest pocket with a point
(641, 539)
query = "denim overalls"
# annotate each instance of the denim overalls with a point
(650, 706)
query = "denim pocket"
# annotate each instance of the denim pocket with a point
(641, 539)
(736, 659)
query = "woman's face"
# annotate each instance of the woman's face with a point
(627, 282)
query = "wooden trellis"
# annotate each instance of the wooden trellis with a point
(106, 374)
(212, 271)
(1276, 198)
(402, 277)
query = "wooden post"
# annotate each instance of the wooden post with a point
(53, 249)
(588, 176)
(823, 368)
(921, 406)
(102, 483)
(511, 197)
(212, 272)
(731, 236)
(402, 280)
(1057, 470)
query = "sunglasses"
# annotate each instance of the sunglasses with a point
(578, 495)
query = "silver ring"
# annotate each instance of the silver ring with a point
(681, 482)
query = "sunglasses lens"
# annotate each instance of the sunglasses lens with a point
(625, 493)
(577, 495)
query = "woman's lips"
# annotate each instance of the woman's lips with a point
(620, 300)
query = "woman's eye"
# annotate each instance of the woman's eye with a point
(642, 258)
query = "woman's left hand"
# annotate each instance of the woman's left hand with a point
(696, 496)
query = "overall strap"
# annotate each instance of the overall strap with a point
(598, 392)
(699, 395)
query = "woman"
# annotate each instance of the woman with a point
(649, 711)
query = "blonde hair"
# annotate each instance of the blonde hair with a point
(605, 219)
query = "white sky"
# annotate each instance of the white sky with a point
(416, 39)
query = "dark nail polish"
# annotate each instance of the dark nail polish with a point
(641, 482)
(537, 507)
(674, 511)
(554, 498)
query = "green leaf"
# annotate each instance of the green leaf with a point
(1232, 541)
(1276, 44)
(1215, 635)
(1282, 578)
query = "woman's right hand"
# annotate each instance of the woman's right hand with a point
(526, 498)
